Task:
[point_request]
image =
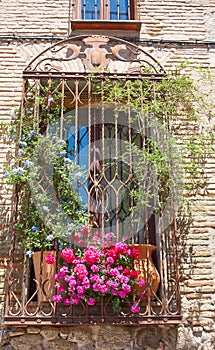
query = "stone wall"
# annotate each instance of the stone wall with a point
(178, 30)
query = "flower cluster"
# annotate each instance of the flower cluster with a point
(91, 272)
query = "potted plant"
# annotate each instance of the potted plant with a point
(50, 208)
(96, 267)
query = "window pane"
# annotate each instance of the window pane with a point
(90, 9)
(119, 9)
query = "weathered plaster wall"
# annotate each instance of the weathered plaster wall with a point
(172, 20)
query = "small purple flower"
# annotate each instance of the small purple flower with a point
(32, 133)
(50, 238)
(20, 152)
(50, 100)
(75, 300)
(18, 171)
(29, 253)
(109, 235)
(22, 144)
(28, 163)
(104, 289)
(67, 160)
(63, 154)
(46, 209)
(6, 174)
(35, 228)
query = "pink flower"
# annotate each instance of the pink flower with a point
(141, 283)
(67, 302)
(96, 287)
(57, 298)
(68, 255)
(113, 272)
(91, 301)
(121, 294)
(85, 231)
(113, 284)
(110, 260)
(114, 292)
(80, 290)
(94, 278)
(104, 289)
(94, 268)
(81, 271)
(109, 235)
(135, 308)
(74, 299)
(92, 255)
(142, 296)
(126, 288)
(50, 259)
(60, 288)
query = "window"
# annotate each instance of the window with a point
(106, 10)
(61, 86)
(105, 14)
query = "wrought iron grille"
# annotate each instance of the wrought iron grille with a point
(80, 89)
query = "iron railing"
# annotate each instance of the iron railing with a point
(74, 76)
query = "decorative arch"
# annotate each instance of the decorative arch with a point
(95, 53)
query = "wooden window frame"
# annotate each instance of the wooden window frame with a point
(105, 23)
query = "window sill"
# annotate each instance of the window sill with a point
(105, 25)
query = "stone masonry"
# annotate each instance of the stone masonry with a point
(172, 31)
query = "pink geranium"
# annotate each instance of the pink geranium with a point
(91, 301)
(95, 271)
(50, 259)
(81, 271)
(68, 255)
(135, 308)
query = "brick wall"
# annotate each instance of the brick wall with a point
(172, 21)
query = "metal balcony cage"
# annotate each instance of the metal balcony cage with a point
(87, 91)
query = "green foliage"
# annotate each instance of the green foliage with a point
(172, 119)
(175, 107)
(44, 178)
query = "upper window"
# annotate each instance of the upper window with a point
(104, 9)
(121, 14)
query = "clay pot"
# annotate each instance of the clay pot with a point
(146, 269)
(47, 275)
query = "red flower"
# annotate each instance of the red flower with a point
(134, 274)
(135, 253)
(112, 252)
(126, 272)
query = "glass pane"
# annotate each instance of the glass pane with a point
(119, 10)
(90, 9)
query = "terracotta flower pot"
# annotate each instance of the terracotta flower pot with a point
(47, 275)
(146, 269)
